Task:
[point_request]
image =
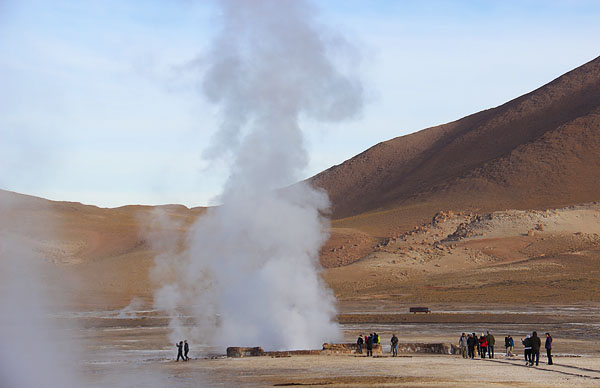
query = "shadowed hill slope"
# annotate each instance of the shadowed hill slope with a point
(104, 255)
(537, 151)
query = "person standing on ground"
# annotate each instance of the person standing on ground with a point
(370, 346)
(462, 342)
(483, 345)
(506, 344)
(186, 350)
(394, 342)
(471, 345)
(360, 342)
(477, 345)
(536, 344)
(180, 350)
(527, 350)
(491, 343)
(548, 346)
(511, 346)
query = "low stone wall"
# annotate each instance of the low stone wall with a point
(346, 348)
(237, 352)
(289, 353)
(349, 348)
(437, 348)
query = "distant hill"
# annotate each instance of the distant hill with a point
(105, 252)
(540, 150)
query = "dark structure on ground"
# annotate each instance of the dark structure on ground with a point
(346, 348)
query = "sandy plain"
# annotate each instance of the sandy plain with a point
(135, 346)
(510, 272)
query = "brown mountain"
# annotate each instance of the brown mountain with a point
(104, 255)
(540, 150)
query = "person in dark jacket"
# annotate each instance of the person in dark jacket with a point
(527, 349)
(394, 342)
(471, 345)
(477, 345)
(536, 344)
(511, 346)
(180, 350)
(186, 350)
(491, 343)
(360, 342)
(370, 346)
(548, 346)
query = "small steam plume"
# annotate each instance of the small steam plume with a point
(36, 348)
(35, 351)
(31, 353)
(250, 272)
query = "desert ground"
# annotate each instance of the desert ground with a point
(118, 347)
(509, 272)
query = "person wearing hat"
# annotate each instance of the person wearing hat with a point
(527, 350)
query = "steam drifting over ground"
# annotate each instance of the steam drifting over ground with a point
(249, 271)
(37, 348)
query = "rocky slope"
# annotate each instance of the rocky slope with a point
(539, 151)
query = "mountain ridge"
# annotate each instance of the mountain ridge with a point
(450, 158)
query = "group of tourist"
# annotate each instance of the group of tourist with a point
(532, 345)
(374, 339)
(182, 350)
(369, 342)
(484, 344)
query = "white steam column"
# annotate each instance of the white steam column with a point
(249, 275)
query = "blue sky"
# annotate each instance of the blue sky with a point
(98, 103)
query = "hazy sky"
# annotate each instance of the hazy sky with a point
(100, 101)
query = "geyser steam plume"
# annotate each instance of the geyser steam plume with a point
(250, 272)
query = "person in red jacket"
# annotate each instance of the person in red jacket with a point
(483, 344)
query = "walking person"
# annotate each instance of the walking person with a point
(511, 347)
(186, 350)
(491, 343)
(548, 346)
(536, 344)
(180, 350)
(527, 350)
(483, 345)
(360, 342)
(370, 346)
(462, 342)
(471, 346)
(394, 342)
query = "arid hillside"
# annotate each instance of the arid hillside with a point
(500, 205)
(104, 255)
(537, 151)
